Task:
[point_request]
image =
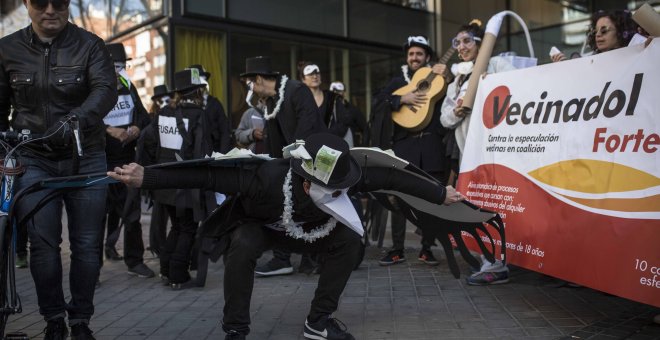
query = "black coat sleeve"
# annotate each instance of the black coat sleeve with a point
(380, 178)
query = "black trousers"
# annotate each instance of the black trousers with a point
(339, 249)
(158, 228)
(175, 257)
(118, 212)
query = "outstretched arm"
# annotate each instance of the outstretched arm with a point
(392, 179)
(228, 180)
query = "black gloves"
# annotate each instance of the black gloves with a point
(60, 134)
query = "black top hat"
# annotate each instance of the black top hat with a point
(202, 70)
(258, 66)
(117, 52)
(419, 41)
(187, 79)
(346, 171)
(160, 91)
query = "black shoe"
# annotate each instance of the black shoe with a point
(307, 265)
(392, 257)
(234, 335)
(164, 279)
(426, 256)
(56, 329)
(112, 254)
(274, 267)
(326, 329)
(81, 332)
(185, 285)
(141, 270)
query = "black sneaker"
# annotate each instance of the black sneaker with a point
(184, 285)
(426, 256)
(81, 332)
(392, 257)
(326, 329)
(112, 254)
(56, 329)
(141, 270)
(234, 335)
(164, 279)
(274, 267)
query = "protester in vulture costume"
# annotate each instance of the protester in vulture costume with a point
(302, 203)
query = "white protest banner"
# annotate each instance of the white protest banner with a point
(568, 154)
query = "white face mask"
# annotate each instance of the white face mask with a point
(203, 80)
(164, 101)
(248, 98)
(339, 207)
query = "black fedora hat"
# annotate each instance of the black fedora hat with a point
(346, 171)
(160, 91)
(258, 66)
(202, 70)
(187, 80)
(117, 52)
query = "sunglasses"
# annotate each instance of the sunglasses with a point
(466, 41)
(58, 5)
(602, 30)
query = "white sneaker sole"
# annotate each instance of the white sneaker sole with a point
(281, 271)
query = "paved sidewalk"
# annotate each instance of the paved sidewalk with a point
(407, 301)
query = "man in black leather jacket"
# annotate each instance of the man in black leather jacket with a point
(50, 72)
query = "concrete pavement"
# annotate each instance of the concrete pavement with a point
(407, 301)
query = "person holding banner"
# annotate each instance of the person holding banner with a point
(180, 132)
(608, 30)
(123, 126)
(467, 42)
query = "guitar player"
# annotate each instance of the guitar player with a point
(424, 148)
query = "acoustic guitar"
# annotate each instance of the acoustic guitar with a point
(418, 117)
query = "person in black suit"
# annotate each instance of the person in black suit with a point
(219, 124)
(421, 148)
(291, 113)
(301, 204)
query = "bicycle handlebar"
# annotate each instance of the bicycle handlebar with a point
(25, 135)
(14, 137)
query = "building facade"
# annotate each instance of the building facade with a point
(358, 42)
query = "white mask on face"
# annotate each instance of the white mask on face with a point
(164, 101)
(339, 207)
(248, 98)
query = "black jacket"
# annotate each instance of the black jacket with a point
(298, 117)
(45, 82)
(196, 144)
(260, 188)
(425, 148)
(220, 127)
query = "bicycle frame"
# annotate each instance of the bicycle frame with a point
(10, 302)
